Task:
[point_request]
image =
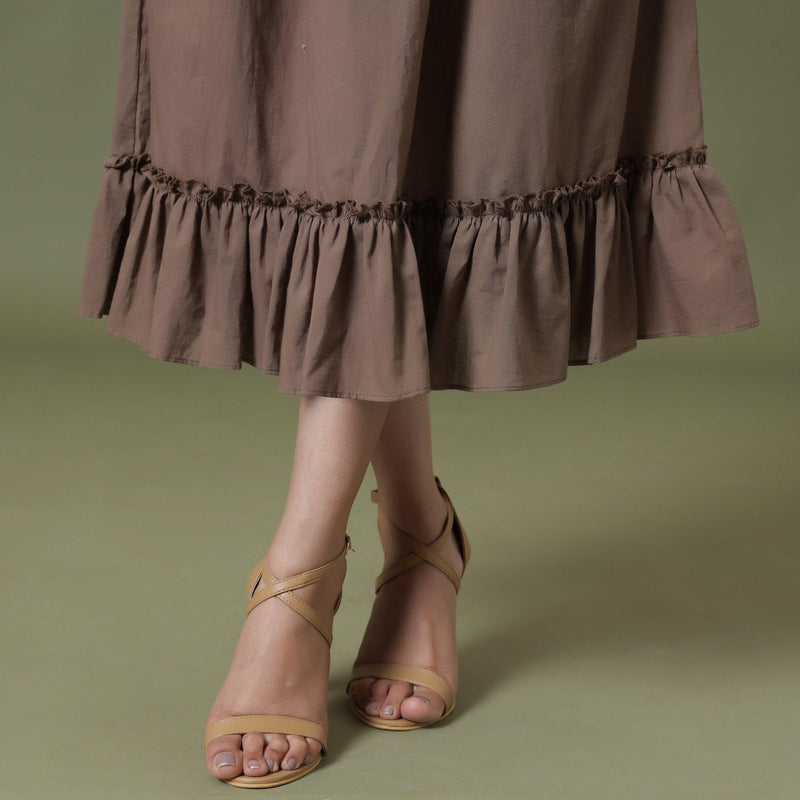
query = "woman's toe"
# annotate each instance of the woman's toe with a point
(296, 754)
(277, 748)
(360, 691)
(253, 760)
(224, 756)
(424, 705)
(377, 696)
(314, 749)
(398, 692)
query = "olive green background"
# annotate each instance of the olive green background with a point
(629, 626)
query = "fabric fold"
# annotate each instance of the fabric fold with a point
(392, 300)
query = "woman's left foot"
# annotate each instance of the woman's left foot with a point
(413, 621)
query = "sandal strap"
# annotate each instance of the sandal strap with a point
(421, 552)
(284, 590)
(425, 552)
(268, 723)
(458, 530)
(409, 673)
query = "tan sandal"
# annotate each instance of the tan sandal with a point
(268, 723)
(421, 676)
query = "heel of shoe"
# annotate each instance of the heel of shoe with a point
(458, 529)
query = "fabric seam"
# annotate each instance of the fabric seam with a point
(138, 75)
(544, 201)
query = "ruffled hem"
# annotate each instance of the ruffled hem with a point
(393, 300)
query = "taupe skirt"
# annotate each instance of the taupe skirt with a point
(375, 198)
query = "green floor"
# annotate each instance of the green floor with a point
(629, 623)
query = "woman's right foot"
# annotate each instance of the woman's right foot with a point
(280, 666)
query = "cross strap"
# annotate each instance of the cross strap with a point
(284, 590)
(425, 552)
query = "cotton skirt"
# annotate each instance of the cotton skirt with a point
(374, 198)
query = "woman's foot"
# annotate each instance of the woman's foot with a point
(280, 666)
(413, 621)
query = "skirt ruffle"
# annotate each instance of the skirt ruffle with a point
(390, 301)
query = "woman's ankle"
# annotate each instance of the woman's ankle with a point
(299, 546)
(321, 595)
(421, 513)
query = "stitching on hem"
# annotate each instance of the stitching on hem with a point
(665, 334)
(422, 390)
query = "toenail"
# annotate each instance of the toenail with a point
(424, 699)
(308, 759)
(388, 711)
(254, 764)
(372, 707)
(291, 764)
(270, 765)
(224, 760)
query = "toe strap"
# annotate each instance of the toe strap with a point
(407, 672)
(268, 723)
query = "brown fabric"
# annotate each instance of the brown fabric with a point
(377, 199)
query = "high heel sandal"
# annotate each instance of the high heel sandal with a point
(428, 553)
(268, 723)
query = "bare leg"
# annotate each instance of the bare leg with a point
(413, 617)
(281, 663)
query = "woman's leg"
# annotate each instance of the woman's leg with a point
(413, 617)
(281, 662)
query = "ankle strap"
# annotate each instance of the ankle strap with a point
(419, 550)
(284, 589)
